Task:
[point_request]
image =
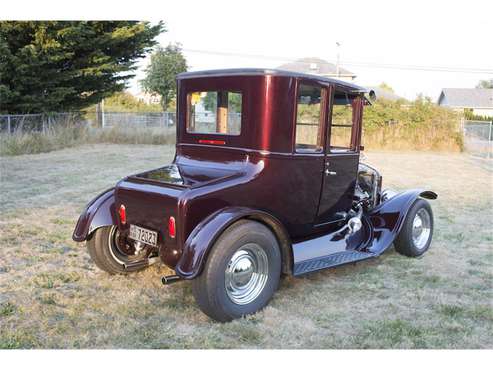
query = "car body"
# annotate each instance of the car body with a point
(277, 148)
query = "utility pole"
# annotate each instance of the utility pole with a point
(338, 44)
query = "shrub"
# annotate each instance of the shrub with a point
(397, 125)
(417, 125)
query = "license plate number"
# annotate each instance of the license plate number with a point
(143, 235)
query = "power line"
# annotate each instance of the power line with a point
(352, 63)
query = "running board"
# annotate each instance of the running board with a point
(331, 260)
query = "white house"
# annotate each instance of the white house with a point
(478, 101)
(319, 67)
(147, 98)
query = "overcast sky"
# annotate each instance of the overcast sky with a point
(444, 34)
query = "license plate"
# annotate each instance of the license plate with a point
(143, 235)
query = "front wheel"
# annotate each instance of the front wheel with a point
(112, 253)
(415, 236)
(241, 274)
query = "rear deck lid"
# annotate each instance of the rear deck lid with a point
(182, 176)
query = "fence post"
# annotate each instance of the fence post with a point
(8, 124)
(490, 151)
(98, 115)
(103, 121)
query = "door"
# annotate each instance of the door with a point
(309, 156)
(341, 158)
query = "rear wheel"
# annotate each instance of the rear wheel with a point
(415, 236)
(112, 253)
(241, 273)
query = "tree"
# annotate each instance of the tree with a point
(234, 102)
(59, 65)
(485, 84)
(384, 86)
(125, 102)
(161, 73)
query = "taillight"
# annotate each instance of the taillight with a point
(212, 142)
(123, 214)
(172, 227)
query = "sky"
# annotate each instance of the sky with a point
(404, 33)
(451, 34)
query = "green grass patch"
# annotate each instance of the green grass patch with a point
(17, 339)
(394, 334)
(48, 299)
(245, 331)
(7, 309)
(452, 311)
(476, 313)
(481, 313)
(52, 280)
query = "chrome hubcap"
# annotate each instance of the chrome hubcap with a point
(246, 274)
(421, 228)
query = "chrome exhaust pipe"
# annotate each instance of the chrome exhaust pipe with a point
(142, 263)
(170, 279)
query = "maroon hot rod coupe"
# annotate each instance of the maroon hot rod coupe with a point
(266, 181)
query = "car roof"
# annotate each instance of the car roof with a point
(270, 72)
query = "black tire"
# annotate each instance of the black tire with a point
(404, 243)
(209, 288)
(105, 255)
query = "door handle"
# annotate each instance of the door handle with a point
(332, 173)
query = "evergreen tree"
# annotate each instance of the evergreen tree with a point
(68, 65)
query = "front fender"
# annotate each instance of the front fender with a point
(388, 217)
(99, 212)
(203, 237)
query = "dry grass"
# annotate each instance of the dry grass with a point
(71, 135)
(52, 296)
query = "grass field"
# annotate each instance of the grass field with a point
(52, 296)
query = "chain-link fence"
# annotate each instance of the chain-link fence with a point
(21, 123)
(141, 120)
(206, 122)
(478, 138)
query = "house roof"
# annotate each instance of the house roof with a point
(316, 66)
(466, 98)
(273, 72)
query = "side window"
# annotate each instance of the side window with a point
(214, 112)
(342, 124)
(308, 119)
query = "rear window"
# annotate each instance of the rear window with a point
(214, 112)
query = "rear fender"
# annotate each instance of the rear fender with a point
(201, 240)
(98, 213)
(388, 217)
